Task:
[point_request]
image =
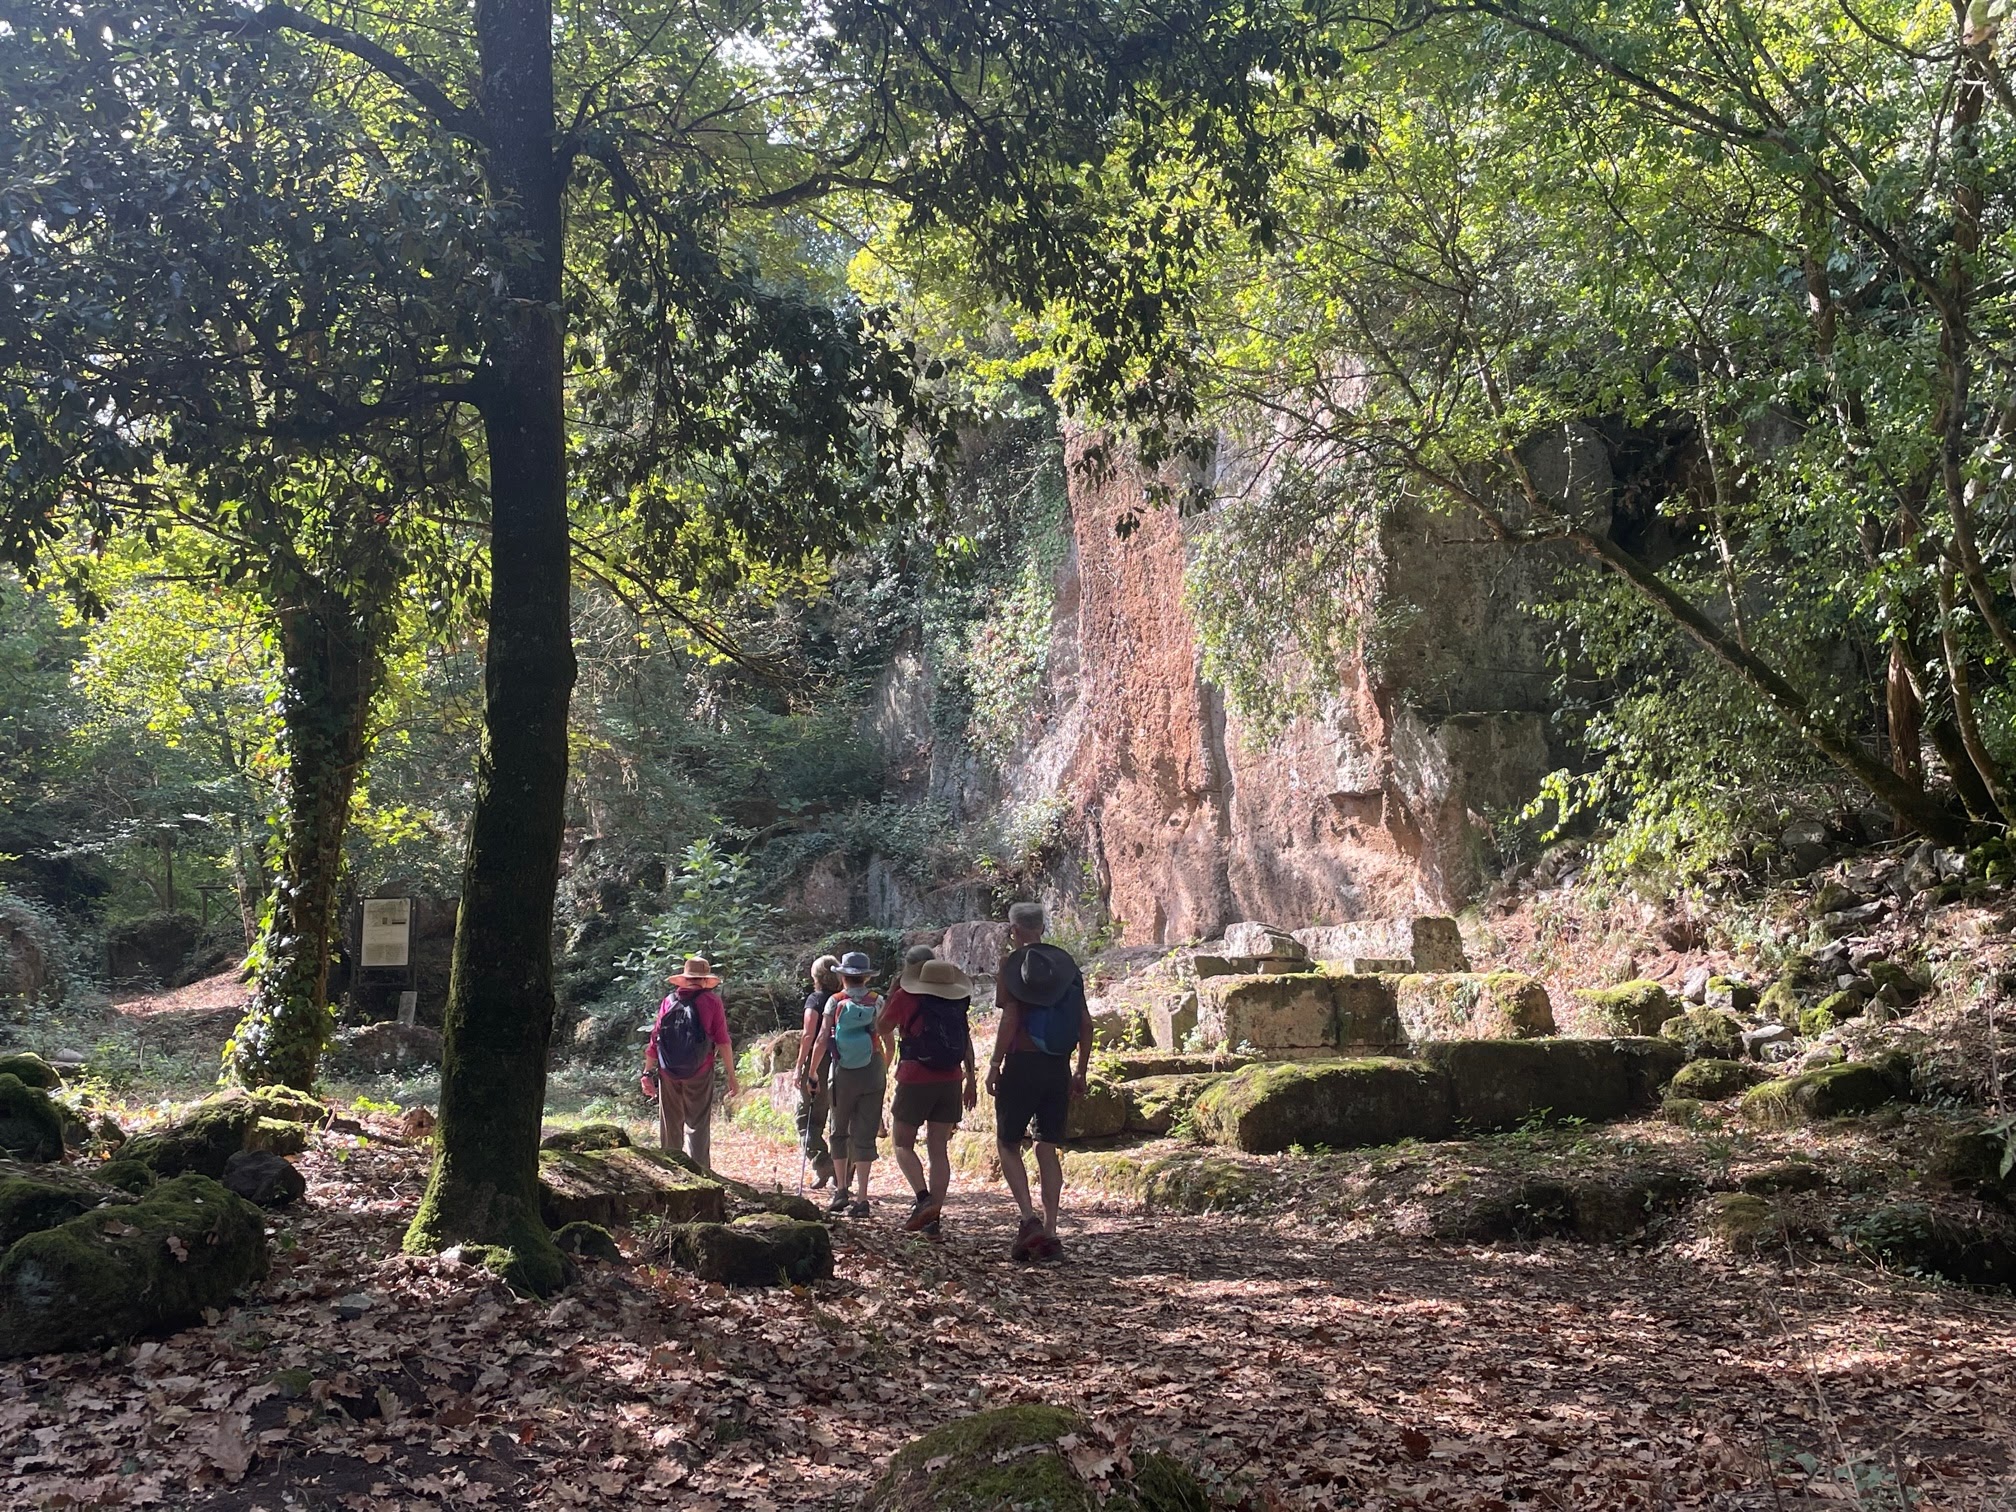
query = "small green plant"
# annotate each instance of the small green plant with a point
(714, 912)
(365, 1104)
(1194, 1040)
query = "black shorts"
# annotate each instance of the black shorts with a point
(1033, 1086)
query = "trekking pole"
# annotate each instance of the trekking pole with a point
(802, 1158)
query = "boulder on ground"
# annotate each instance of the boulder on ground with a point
(31, 1070)
(1099, 1114)
(1713, 1080)
(1973, 1249)
(1705, 1032)
(31, 1122)
(127, 1175)
(123, 1270)
(203, 1140)
(767, 1249)
(264, 1179)
(1596, 1208)
(619, 1186)
(1742, 1221)
(153, 948)
(1265, 1108)
(1473, 1005)
(1830, 1092)
(1635, 1007)
(1501, 1084)
(1156, 1104)
(36, 1197)
(1014, 1459)
(591, 1136)
(1264, 942)
(289, 1105)
(1267, 1013)
(587, 1241)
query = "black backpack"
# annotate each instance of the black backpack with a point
(937, 1036)
(682, 1040)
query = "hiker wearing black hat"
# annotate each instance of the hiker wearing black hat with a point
(934, 1075)
(1044, 1021)
(859, 1051)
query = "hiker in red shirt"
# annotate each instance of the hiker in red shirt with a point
(935, 1083)
(679, 1060)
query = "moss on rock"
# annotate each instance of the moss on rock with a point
(1183, 1181)
(764, 1250)
(619, 1186)
(1830, 1092)
(1126, 1068)
(31, 1123)
(1635, 1007)
(287, 1104)
(36, 1197)
(127, 1175)
(123, 1270)
(30, 1070)
(1501, 1084)
(1742, 1221)
(1008, 1459)
(592, 1136)
(1473, 1005)
(1713, 1080)
(274, 1136)
(1705, 1033)
(1157, 1104)
(589, 1241)
(203, 1141)
(1100, 1114)
(1374, 1101)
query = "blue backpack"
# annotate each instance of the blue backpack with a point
(683, 1045)
(854, 1029)
(1052, 1028)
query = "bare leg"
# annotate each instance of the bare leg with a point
(906, 1156)
(867, 1169)
(1016, 1174)
(1052, 1169)
(938, 1140)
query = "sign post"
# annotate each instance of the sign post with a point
(387, 941)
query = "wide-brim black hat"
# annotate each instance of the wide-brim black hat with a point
(1039, 975)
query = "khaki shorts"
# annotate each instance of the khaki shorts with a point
(921, 1103)
(857, 1110)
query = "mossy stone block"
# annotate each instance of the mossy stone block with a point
(1156, 1104)
(589, 1241)
(130, 1268)
(1713, 1080)
(1010, 1459)
(1705, 1033)
(1481, 1005)
(1830, 1092)
(275, 1136)
(1342, 1104)
(1501, 1084)
(1650, 1064)
(30, 1070)
(31, 1123)
(615, 1187)
(1288, 1013)
(126, 1175)
(1100, 1114)
(592, 1136)
(36, 1197)
(1635, 1007)
(1743, 1221)
(288, 1104)
(203, 1141)
(766, 1249)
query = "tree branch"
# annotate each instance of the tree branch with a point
(428, 95)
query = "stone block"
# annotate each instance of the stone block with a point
(1264, 942)
(1171, 1019)
(1155, 1104)
(1368, 1018)
(1830, 1092)
(1341, 1104)
(1100, 1114)
(1438, 945)
(1473, 1005)
(619, 1186)
(1272, 1014)
(1380, 965)
(1426, 944)
(764, 1250)
(1501, 1084)
(1636, 1007)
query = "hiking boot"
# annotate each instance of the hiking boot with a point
(822, 1172)
(859, 1208)
(839, 1203)
(1024, 1247)
(924, 1214)
(1046, 1247)
(933, 1232)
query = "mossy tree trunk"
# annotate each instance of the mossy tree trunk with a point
(484, 1190)
(332, 664)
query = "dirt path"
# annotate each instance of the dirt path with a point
(1301, 1371)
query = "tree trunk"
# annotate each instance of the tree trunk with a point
(331, 666)
(484, 1190)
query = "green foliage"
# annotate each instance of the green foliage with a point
(712, 910)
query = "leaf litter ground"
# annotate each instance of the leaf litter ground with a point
(1297, 1363)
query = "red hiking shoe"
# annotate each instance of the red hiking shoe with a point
(1026, 1239)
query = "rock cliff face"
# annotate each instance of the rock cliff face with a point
(1375, 808)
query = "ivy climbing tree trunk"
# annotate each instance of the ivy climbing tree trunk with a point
(332, 664)
(484, 1189)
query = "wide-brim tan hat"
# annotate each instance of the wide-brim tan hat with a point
(698, 973)
(937, 979)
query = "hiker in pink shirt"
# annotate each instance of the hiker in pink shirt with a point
(679, 1060)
